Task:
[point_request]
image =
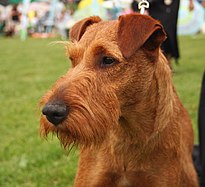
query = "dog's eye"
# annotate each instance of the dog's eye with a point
(108, 61)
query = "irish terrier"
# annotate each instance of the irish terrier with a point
(118, 105)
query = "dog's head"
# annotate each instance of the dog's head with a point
(113, 64)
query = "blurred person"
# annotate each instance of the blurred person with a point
(166, 11)
(40, 24)
(33, 20)
(15, 14)
(15, 17)
(63, 24)
(13, 21)
(2, 22)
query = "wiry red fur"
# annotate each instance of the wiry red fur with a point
(127, 119)
(85, 109)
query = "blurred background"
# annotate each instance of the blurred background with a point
(50, 18)
(30, 64)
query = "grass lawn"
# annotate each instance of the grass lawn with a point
(27, 70)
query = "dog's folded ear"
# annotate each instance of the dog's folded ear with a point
(80, 27)
(137, 31)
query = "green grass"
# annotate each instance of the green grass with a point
(27, 70)
(188, 75)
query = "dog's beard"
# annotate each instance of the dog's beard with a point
(93, 112)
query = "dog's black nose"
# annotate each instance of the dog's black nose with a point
(55, 112)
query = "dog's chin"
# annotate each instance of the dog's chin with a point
(70, 134)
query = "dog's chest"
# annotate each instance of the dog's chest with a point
(131, 179)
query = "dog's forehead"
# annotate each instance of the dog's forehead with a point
(98, 38)
(104, 30)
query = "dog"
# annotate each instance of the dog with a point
(119, 106)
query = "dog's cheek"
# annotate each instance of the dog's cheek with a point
(135, 86)
(128, 96)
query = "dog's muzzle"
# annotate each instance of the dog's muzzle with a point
(55, 112)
